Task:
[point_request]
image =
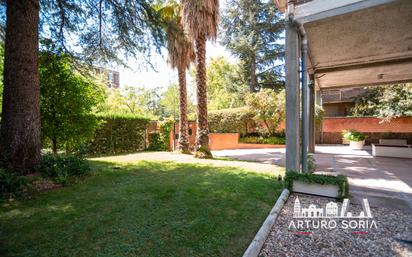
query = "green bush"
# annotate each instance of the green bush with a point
(353, 135)
(119, 133)
(61, 167)
(159, 141)
(273, 140)
(340, 180)
(233, 120)
(11, 182)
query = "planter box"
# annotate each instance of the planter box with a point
(316, 189)
(356, 145)
(404, 151)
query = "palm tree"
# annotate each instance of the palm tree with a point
(201, 18)
(181, 54)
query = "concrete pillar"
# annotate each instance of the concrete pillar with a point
(305, 110)
(292, 98)
(311, 118)
(318, 101)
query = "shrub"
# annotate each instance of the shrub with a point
(273, 140)
(353, 135)
(159, 141)
(233, 120)
(340, 180)
(61, 167)
(119, 133)
(11, 182)
(268, 106)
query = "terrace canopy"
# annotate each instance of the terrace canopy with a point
(349, 43)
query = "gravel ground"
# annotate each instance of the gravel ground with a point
(392, 237)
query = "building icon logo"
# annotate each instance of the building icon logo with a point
(331, 211)
(310, 218)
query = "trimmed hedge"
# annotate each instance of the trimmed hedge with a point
(276, 140)
(340, 180)
(119, 133)
(233, 120)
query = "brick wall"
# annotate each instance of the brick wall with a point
(372, 127)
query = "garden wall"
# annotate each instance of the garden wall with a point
(217, 141)
(371, 126)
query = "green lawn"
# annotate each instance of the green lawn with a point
(145, 209)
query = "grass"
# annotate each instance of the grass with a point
(143, 209)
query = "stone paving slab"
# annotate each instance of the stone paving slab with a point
(385, 181)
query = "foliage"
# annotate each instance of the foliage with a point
(170, 102)
(143, 202)
(226, 85)
(230, 120)
(269, 107)
(311, 163)
(10, 183)
(252, 30)
(119, 133)
(385, 102)
(156, 142)
(273, 140)
(180, 45)
(149, 102)
(319, 113)
(66, 103)
(340, 180)
(102, 31)
(159, 141)
(61, 167)
(353, 135)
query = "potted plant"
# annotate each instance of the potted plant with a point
(356, 138)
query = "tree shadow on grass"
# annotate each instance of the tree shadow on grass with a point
(146, 209)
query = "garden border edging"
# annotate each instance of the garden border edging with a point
(256, 245)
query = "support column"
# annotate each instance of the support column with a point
(305, 107)
(318, 101)
(312, 134)
(292, 98)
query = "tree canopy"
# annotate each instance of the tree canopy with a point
(385, 102)
(253, 31)
(100, 31)
(226, 84)
(67, 103)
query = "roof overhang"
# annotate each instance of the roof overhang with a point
(358, 42)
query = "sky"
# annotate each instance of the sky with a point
(163, 75)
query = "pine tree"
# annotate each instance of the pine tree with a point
(253, 31)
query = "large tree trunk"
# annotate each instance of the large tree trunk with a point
(253, 78)
(183, 123)
(20, 122)
(202, 139)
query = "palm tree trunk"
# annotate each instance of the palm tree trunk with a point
(183, 123)
(202, 139)
(20, 122)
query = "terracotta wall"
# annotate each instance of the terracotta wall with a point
(399, 128)
(367, 124)
(218, 141)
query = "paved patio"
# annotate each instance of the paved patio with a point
(386, 182)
